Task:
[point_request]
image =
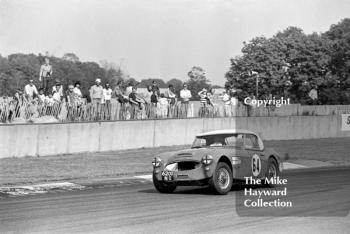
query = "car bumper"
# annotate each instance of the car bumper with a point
(197, 174)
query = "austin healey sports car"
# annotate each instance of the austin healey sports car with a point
(218, 159)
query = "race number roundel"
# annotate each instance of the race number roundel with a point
(256, 165)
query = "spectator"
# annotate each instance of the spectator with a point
(41, 96)
(45, 74)
(49, 101)
(107, 96)
(135, 103)
(77, 90)
(163, 105)
(185, 96)
(122, 101)
(154, 103)
(147, 98)
(72, 96)
(58, 88)
(210, 97)
(227, 103)
(19, 96)
(155, 88)
(30, 90)
(170, 94)
(96, 94)
(234, 102)
(203, 97)
(56, 96)
(129, 89)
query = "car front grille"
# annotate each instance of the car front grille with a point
(188, 165)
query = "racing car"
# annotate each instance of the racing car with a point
(217, 158)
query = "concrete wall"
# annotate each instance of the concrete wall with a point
(65, 138)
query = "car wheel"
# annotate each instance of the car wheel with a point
(163, 187)
(272, 171)
(221, 181)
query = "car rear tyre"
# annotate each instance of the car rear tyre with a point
(221, 181)
(163, 187)
(272, 171)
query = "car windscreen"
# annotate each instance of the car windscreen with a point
(219, 140)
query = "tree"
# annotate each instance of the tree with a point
(178, 84)
(70, 57)
(146, 82)
(197, 81)
(290, 63)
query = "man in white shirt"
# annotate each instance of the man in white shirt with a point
(45, 74)
(185, 96)
(30, 90)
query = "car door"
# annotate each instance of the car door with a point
(256, 163)
(240, 158)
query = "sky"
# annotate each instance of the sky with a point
(156, 38)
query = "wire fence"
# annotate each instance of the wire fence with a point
(12, 111)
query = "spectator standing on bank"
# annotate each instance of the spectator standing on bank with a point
(45, 74)
(96, 95)
(185, 96)
(107, 96)
(30, 90)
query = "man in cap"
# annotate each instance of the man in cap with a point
(96, 95)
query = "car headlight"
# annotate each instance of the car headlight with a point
(207, 159)
(156, 162)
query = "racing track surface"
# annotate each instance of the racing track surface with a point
(139, 209)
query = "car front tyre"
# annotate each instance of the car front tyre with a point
(163, 187)
(221, 181)
(272, 171)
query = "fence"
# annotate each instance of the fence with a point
(15, 112)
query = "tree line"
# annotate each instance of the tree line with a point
(292, 63)
(17, 69)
